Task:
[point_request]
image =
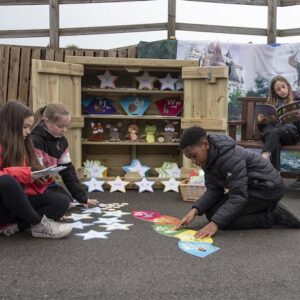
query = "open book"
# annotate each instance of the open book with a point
(268, 114)
(48, 171)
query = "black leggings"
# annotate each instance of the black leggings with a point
(16, 207)
(274, 137)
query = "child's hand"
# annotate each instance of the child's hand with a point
(40, 180)
(187, 219)
(207, 231)
(91, 202)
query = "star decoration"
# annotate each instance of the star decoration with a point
(171, 185)
(118, 185)
(117, 213)
(174, 171)
(163, 170)
(179, 84)
(94, 168)
(107, 80)
(92, 234)
(136, 166)
(93, 210)
(78, 217)
(108, 221)
(168, 83)
(145, 185)
(116, 226)
(146, 81)
(94, 185)
(80, 225)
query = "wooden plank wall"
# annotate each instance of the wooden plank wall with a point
(15, 66)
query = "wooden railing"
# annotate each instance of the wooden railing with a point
(15, 66)
(54, 31)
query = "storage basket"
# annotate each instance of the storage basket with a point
(191, 192)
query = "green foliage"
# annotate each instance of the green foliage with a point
(261, 88)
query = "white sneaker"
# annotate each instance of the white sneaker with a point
(50, 229)
(9, 229)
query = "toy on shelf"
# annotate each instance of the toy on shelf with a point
(168, 83)
(135, 105)
(114, 135)
(170, 135)
(170, 106)
(146, 81)
(107, 80)
(133, 131)
(97, 132)
(150, 131)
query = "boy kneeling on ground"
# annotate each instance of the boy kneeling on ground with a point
(254, 185)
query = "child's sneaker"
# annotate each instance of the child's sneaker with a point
(9, 229)
(50, 229)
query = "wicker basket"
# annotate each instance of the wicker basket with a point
(191, 192)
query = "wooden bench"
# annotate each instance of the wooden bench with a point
(245, 131)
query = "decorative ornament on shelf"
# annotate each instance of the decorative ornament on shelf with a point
(94, 185)
(168, 169)
(170, 106)
(145, 185)
(150, 131)
(136, 166)
(118, 185)
(146, 81)
(107, 80)
(99, 105)
(93, 168)
(133, 131)
(170, 135)
(167, 83)
(97, 132)
(179, 84)
(134, 105)
(114, 135)
(171, 185)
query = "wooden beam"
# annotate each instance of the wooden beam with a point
(54, 23)
(242, 2)
(289, 2)
(113, 29)
(272, 21)
(221, 29)
(24, 33)
(46, 2)
(289, 32)
(171, 18)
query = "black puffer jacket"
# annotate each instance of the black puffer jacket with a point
(244, 173)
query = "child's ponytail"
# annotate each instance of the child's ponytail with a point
(38, 115)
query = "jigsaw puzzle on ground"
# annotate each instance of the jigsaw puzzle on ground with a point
(166, 225)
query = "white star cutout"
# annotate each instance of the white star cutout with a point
(171, 185)
(145, 185)
(93, 210)
(94, 168)
(146, 81)
(78, 217)
(168, 82)
(117, 213)
(116, 226)
(94, 185)
(118, 185)
(108, 221)
(107, 80)
(80, 225)
(92, 234)
(174, 171)
(136, 166)
(179, 84)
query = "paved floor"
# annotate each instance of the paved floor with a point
(142, 264)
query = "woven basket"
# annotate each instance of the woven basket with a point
(191, 192)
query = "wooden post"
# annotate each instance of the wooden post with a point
(272, 21)
(54, 23)
(171, 18)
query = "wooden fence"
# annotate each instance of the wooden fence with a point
(15, 66)
(54, 31)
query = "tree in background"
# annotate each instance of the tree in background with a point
(261, 88)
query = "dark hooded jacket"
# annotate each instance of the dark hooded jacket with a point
(51, 150)
(243, 172)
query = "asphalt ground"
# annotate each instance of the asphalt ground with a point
(142, 264)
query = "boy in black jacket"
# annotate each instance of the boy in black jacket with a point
(254, 185)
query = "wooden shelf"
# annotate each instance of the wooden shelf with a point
(132, 117)
(129, 91)
(127, 143)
